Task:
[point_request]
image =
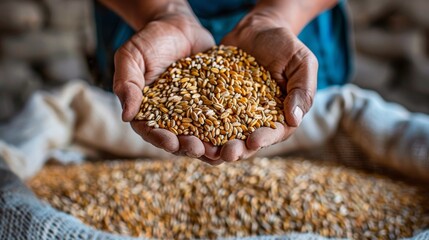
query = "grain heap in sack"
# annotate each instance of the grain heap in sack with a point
(218, 95)
(185, 198)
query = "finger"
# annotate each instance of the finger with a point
(160, 138)
(301, 73)
(191, 146)
(212, 152)
(211, 162)
(235, 150)
(232, 150)
(264, 137)
(203, 41)
(128, 80)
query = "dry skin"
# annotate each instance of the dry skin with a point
(185, 198)
(219, 95)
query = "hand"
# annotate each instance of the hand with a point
(143, 58)
(274, 45)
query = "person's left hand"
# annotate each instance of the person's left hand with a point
(290, 63)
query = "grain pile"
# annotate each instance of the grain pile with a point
(219, 95)
(185, 198)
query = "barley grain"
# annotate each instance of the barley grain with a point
(184, 199)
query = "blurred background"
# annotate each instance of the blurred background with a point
(45, 43)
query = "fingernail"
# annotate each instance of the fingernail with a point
(298, 113)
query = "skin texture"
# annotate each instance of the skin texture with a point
(143, 58)
(170, 31)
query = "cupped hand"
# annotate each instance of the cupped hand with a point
(290, 63)
(147, 55)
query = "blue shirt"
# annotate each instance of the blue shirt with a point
(327, 36)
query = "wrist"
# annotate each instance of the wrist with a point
(173, 9)
(138, 13)
(293, 14)
(179, 20)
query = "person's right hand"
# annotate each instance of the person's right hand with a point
(147, 55)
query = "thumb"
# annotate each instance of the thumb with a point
(128, 81)
(296, 105)
(301, 74)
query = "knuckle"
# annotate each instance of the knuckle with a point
(132, 50)
(304, 55)
(307, 56)
(231, 157)
(121, 53)
(117, 86)
(304, 97)
(312, 59)
(307, 97)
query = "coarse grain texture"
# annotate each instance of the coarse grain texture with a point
(185, 198)
(223, 88)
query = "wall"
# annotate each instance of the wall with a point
(392, 45)
(44, 43)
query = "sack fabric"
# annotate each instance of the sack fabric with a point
(78, 122)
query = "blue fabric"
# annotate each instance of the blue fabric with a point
(327, 36)
(219, 8)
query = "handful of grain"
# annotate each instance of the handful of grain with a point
(219, 95)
